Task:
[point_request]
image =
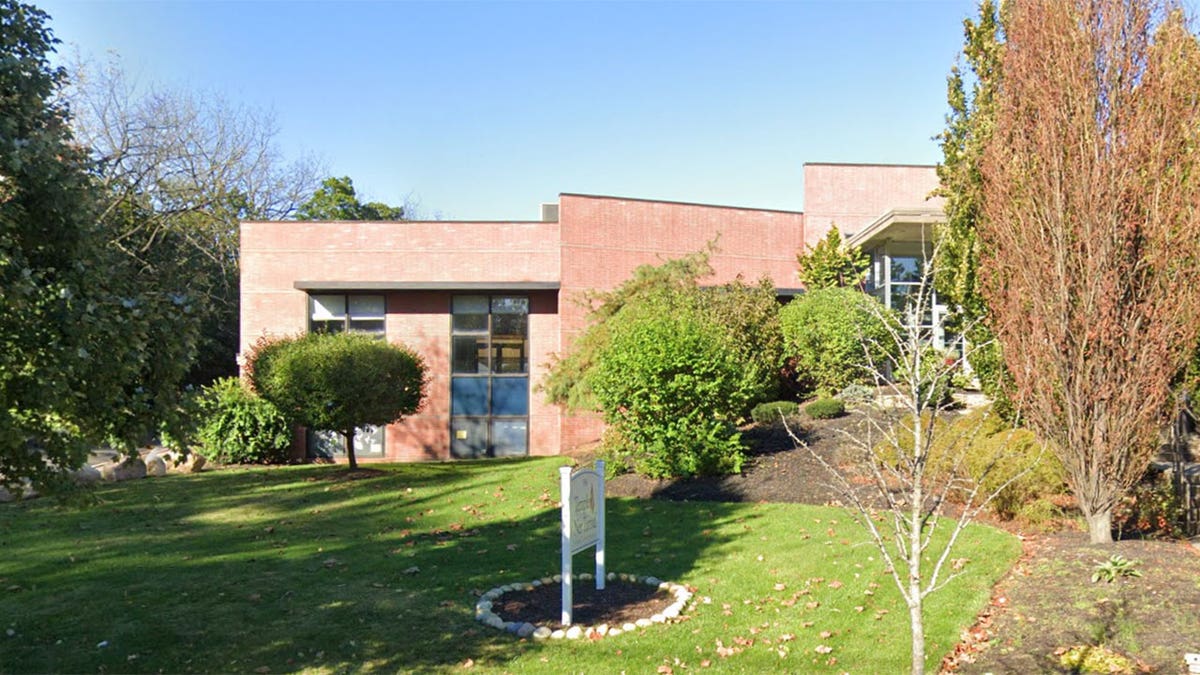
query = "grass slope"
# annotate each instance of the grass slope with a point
(294, 569)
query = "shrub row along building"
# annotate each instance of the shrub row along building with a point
(488, 303)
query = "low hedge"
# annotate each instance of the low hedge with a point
(825, 409)
(773, 411)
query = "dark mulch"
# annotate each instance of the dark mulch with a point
(775, 469)
(617, 604)
(1048, 603)
(1044, 606)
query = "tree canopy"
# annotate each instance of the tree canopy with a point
(337, 200)
(92, 349)
(832, 263)
(1090, 233)
(339, 381)
(177, 170)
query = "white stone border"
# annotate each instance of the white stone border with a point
(485, 615)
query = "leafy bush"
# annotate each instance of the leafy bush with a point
(239, 427)
(825, 409)
(834, 334)
(985, 443)
(749, 314)
(1152, 508)
(935, 382)
(857, 393)
(671, 383)
(766, 413)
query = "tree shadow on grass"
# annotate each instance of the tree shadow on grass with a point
(283, 570)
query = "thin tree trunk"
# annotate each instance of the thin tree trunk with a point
(917, 624)
(915, 611)
(349, 434)
(1100, 526)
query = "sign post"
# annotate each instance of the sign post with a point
(582, 525)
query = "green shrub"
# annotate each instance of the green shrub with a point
(857, 393)
(980, 442)
(834, 335)
(747, 313)
(766, 413)
(672, 384)
(825, 409)
(935, 382)
(239, 427)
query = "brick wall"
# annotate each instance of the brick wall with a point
(853, 196)
(275, 255)
(605, 238)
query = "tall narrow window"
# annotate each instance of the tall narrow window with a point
(489, 385)
(339, 313)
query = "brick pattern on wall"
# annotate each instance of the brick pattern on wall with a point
(853, 196)
(596, 244)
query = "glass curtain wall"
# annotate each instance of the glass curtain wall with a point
(489, 384)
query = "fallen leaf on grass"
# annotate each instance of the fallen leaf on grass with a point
(823, 649)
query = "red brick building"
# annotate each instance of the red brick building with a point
(488, 303)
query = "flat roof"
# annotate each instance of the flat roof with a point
(670, 201)
(427, 285)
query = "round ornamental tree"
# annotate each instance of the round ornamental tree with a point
(339, 382)
(838, 336)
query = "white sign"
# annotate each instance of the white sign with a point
(582, 525)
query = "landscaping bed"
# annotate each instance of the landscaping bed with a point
(1046, 605)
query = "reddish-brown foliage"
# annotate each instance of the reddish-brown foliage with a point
(1091, 229)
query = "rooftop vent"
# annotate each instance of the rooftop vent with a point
(550, 212)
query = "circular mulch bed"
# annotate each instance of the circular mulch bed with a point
(619, 603)
(628, 602)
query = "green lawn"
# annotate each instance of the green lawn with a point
(288, 569)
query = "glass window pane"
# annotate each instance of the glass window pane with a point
(368, 442)
(366, 307)
(510, 396)
(469, 354)
(468, 437)
(328, 307)
(907, 268)
(326, 444)
(337, 326)
(510, 325)
(470, 313)
(904, 300)
(375, 326)
(503, 304)
(468, 396)
(510, 438)
(509, 356)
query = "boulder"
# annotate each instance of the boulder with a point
(155, 465)
(129, 469)
(86, 475)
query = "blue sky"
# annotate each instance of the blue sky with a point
(484, 110)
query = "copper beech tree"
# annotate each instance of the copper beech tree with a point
(1091, 230)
